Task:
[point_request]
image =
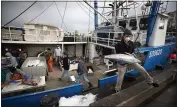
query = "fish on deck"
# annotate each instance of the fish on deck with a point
(127, 58)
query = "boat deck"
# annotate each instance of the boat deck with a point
(53, 82)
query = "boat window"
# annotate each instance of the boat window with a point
(107, 23)
(143, 23)
(133, 22)
(122, 23)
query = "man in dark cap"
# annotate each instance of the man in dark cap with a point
(126, 46)
(82, 71)
(66, 65)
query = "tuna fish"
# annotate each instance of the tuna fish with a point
(129, 59)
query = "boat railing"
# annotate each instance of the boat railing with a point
(111, 41)
(116, 37)
(171, 33)
(78, 38)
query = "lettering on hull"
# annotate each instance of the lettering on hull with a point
(155, 53)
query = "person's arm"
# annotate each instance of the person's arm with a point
(85, 68)
(54, 54)
(9, 65)
(68, 61)
(42, 53)
(114, 51)
(118, 49)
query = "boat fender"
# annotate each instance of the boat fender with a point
(50, 100)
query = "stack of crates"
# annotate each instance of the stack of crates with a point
(11, 34)
(42, 33)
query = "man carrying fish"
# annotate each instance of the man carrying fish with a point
(126, 47)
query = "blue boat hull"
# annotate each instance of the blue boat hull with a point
(156, 56)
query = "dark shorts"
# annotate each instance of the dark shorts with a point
(12, 69)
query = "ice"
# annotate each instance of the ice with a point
(33, 63)
(73, 78)
(77, 100)
(90, 71)
(41, 64)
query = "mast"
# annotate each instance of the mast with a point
(97, 11)
(115, 17)
(95, 14)
(115, 13)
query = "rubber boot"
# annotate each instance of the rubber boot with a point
(154, 84)
(90, 85)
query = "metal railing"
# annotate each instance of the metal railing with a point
(111, 41)
(171, 34)
(78, 38)
(112, 37)
(10, 34)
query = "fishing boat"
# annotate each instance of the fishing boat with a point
(149, 34)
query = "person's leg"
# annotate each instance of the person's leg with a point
(59, 59)
(120, 78)
(143, 72)
(50, 64)
(56, 60)
(68, 75)
(62, 75)
(79, 78)
(86, 79)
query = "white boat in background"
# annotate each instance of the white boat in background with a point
(42, 32)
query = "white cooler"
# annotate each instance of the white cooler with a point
(34, 66)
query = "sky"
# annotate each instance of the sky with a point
(75, 16)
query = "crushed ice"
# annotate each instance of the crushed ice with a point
(77, 100)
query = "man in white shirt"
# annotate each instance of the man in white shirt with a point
(57, 54)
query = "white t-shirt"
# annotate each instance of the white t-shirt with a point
(57, 52)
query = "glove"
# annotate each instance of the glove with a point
(14, 81)
(26, 77)
(121, 62)
(134, 55)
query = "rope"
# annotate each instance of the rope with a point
(20, 14)
(88, 9)
(85, 6)
(64, 14)
(165, 7)
(89, 21)
(84, 10)
(103, 11)
(41, 13)
(60, 15)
